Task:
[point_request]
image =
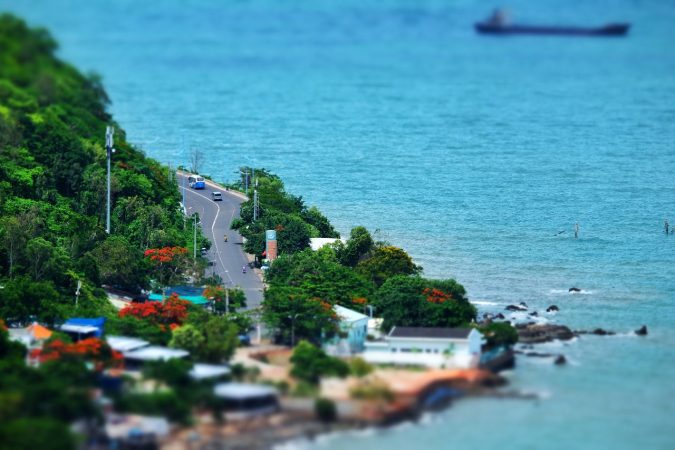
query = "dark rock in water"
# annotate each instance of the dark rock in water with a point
(534, 313)
(515, 308)
(500, 316)
(560, 360)
(552, 308)
(539, 355)
(523, 304)
(642, 331)
(538, 333)
(574, 289)
(601, 332)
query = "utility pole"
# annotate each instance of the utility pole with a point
(194, 242)
(77, 292)
(109, 132)
(255, 202)
(227, 301)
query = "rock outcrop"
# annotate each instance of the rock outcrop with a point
(642, 331)
(538, 333)
(552, 308)
(516, 308)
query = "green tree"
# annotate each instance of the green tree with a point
(120, 264)
(310, 363)
(319, 275)
(385, 262)
(23, 299)
(358, 245)
(325, 410)
(175, 373)
(294, 315)
(189, 338)
(221, 340)
(135, 327)
(499, 333)
(419, 302)
(34, 433)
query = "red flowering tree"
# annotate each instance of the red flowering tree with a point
(434, 295)
(168, 263)
(92, 350)
(172, 312)
(418, 302)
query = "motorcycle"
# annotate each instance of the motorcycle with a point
(243, 269)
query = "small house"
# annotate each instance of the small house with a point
(458, 348)
(242, 400)
(353, 329)
(135, 359)
(83, 328)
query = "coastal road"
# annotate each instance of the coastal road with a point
(228, 257)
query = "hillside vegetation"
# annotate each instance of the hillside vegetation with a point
(53, 188)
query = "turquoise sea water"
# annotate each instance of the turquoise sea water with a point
(470, 152)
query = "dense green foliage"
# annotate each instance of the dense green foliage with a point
(319, 275)
(52, 188)
(207, 337)
(310, 363)
(36, 404)
(304, 285)
(325, 410)
(499, 333)
(420, 302)
(295, 315)
(278, 210)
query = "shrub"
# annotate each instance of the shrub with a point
(360, 368)
(325, 410)
(501, 333)
(310, 363)
(376, 390)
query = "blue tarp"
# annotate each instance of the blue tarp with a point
(98, 322)
(189, 293)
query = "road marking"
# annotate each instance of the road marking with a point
(213, 234)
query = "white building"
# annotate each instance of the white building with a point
(316, 243)
(450, 348)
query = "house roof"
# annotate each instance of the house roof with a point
(125, 344)
(204, 371)
(348, 315)
(242, 391)
(430, 333)
(78, 325)
(155, 353)
(80, 329)
(39, 332)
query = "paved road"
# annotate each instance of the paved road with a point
(228, 257)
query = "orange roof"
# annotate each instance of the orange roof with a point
(39, 332)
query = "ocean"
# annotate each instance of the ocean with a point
(476, 154)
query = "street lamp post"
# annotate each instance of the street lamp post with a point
(293, 317)
(194, 239)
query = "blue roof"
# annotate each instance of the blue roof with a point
(98, 322)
